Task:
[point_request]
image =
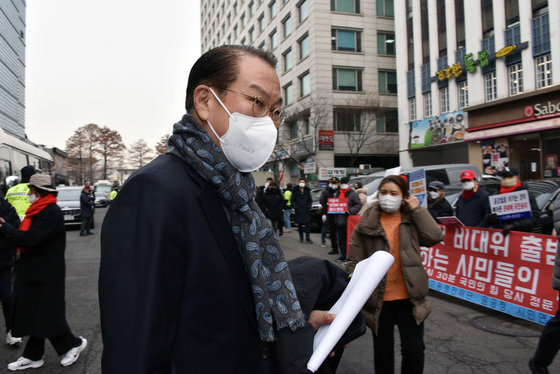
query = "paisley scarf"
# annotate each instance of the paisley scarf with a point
(274, 295)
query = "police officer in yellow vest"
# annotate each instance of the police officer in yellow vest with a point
(114, 193)
(17, 195)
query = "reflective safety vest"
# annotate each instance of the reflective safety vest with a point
(113, 194)
(288, 197)
(17, 196)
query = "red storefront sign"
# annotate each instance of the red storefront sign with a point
(326, 140)
(511, 274)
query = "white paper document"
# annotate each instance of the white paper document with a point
(367, 275)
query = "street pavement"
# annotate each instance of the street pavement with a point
(460, 337)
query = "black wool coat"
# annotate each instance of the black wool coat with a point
(86, 205)
(272, 204)
(39, 303)
(173, 291)
(7, 250)
(301, 202)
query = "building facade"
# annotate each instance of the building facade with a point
(477, 84)
(336, 63)
(12, 67)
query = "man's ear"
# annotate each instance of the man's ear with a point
(201, 99)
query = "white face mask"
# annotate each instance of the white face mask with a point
(344, 186)
(509, 182)
(467, 186)
(249, 141)
(334, 186)
(434, 195)
(389, 203)
(302, 185)
(32, 198)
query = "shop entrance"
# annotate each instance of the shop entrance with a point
(526, 155)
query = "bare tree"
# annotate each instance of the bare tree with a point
(139, 153)
(81, 148)
(111, 148)
(161, 146)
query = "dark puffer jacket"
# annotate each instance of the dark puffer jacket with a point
(301, 202)
(417, 228)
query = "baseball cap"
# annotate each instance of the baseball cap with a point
(468, 174)
(87, 187)
(42, 181)
(508, 170)
(334, 180)
(436, 185)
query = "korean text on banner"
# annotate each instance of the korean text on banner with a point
(335, 206)
(417, 183)
(510, 206)
(367, 275)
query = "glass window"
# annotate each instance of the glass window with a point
(463, 94)
(243, 23)
(252, 34)
(261, 23)
(346, 40)
(273, 39)
(387, 122)
(385, 8)
(347, 79)
(251, 8)
(287, 26)
(412, 109)
(273, 9)
(543, 67)
(385, 43)
(444, 99)
(387, 81)
(288, 60)
(490, 86)
(305, 84)
(235, 31)
(303, 11)
(304, 47)
(292, 129)
(346, 120)
(288, 94)
(515, 79)
(346, 6)
(427, 104)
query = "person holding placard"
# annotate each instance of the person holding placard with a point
(399, 225)
(512, 183)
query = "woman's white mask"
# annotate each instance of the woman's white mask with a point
(249, 141)
(390, 203)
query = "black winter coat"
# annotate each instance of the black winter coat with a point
(441, 208)
(86, 205)
(301, 202)
(473, 212)
(39, 304)
(7, 250)
(272, 204)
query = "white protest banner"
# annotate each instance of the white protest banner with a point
(512, 205)
(417, 182)
(327, 173)
(393, 171)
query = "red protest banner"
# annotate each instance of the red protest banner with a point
(336, 206)
(511, 274)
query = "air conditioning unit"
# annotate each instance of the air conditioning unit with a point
(365, 166)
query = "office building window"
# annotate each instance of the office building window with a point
(427, 104)
(252, 8)
(385, 43)
(292, 129)
(543, 66)
(515, 79)
(252, 35)
(304, 47)
(412, 109)
(261, 22)
(346, 6)
(288, 94)
(235, 31)
(287, 25)
(346, 40)
(490, 86)
(541, 35)
(444, 99)
(385, 8)
(387, 81)
(305, 84)
(262, 46)
(288, 59)
(243, 22)
(273, 39)
(347, 79)
(273, 9)
(303, 10)
(346, 120)
(387, 122)
(463, 87)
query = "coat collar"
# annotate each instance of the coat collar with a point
(371, 225)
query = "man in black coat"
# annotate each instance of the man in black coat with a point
(272, 204)
(7, 253)
(473, 206)
(186, 254)
(301, 203)
(332, 191)
(86, 210)
(438, 206)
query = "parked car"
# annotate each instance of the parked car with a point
(68, 199)
(102, 193)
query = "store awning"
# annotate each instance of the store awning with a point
(523, 128)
